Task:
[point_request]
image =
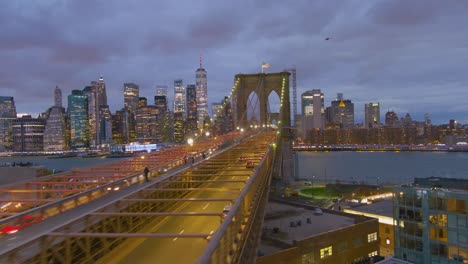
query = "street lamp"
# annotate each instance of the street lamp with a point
(190, 141)
(207, 133)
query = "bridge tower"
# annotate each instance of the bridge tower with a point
(263, 84)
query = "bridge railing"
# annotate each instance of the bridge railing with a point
(228, 243)
(42, 212)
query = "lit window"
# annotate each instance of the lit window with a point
(374, 253)
(372, 237)
(387, 241)
(326, 252)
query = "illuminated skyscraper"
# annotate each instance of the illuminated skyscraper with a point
(179, 127)
(313, 109)
(7, 115)
(55, 133)
(93, 113)
(372, 114)
(202, 93)
(78, 119)
(162, 90)
(341, 112)
(131, 95)
(101, 92)
(179, 97)
(123, 127)
(191, 122)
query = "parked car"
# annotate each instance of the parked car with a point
(250, 164)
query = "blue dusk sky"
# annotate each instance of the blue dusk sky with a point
(410, 56)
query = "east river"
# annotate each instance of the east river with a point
(380, 167)
(368, 167)
(59, 164)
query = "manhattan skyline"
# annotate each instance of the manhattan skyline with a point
(409, 56)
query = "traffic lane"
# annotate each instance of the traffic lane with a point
(159, 251)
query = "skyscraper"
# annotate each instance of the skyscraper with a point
(341, 112)
(101, 92)
(123, 127)
(202, 93)
(372, 114)
(179, 127)
(58, 97)
(191, 122)
(179, 97)
(313, 109)
(28, 134)
(391, 119)
(93, 113)
(162, 90)
(78, 119)
(163, 119)
(131, 95)
(55, 132)
(7, 115)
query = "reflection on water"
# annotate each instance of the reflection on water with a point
(380, 167)
(59, 164)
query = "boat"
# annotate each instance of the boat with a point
(119, 155)
(63, 156)
(94, 155)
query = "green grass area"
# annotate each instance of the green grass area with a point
(317, 191)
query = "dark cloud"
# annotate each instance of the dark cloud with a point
(408, 55)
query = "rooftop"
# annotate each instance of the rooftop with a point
(393, 260)
(293, 224)
(382, 207)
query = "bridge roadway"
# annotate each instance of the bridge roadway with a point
(60, 192)
(171, 218)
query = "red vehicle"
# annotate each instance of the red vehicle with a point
(250, 164)
(242, 158)
(23, 222)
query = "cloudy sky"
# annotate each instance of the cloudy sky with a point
(411, 56)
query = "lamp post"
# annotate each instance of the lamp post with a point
(190, 141)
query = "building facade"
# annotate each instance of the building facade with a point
(56, 133)
(341, 112)
(179, 128)
(78, 121)
(191, 126)
(431, 221)
(28, 134)
(131, 95)
(202, 93)
(7, 115)
(372, 115)
(179, 97)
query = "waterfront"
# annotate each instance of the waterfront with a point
(59, 164)
(380, 167)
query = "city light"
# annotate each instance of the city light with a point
(190, 141)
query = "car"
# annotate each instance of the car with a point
(242, 158)
(23, 222)
(250, 164)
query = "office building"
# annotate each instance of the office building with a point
(163, 119)
(78, 121)
(372, 115)
(162, 90)
(202, 93)
(7, 115)
(391, 119)
(313, 110)
(56, 133)
(93, 113)
(431, 220)
(191, 127)
(179, 97)
(146, 122)
(28, 134)
(179, 128)
(131, 95)
(304, 234)
(123, 127)
(341, 112)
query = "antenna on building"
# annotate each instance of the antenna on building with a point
(200, 59)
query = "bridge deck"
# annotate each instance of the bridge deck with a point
(170, 218)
